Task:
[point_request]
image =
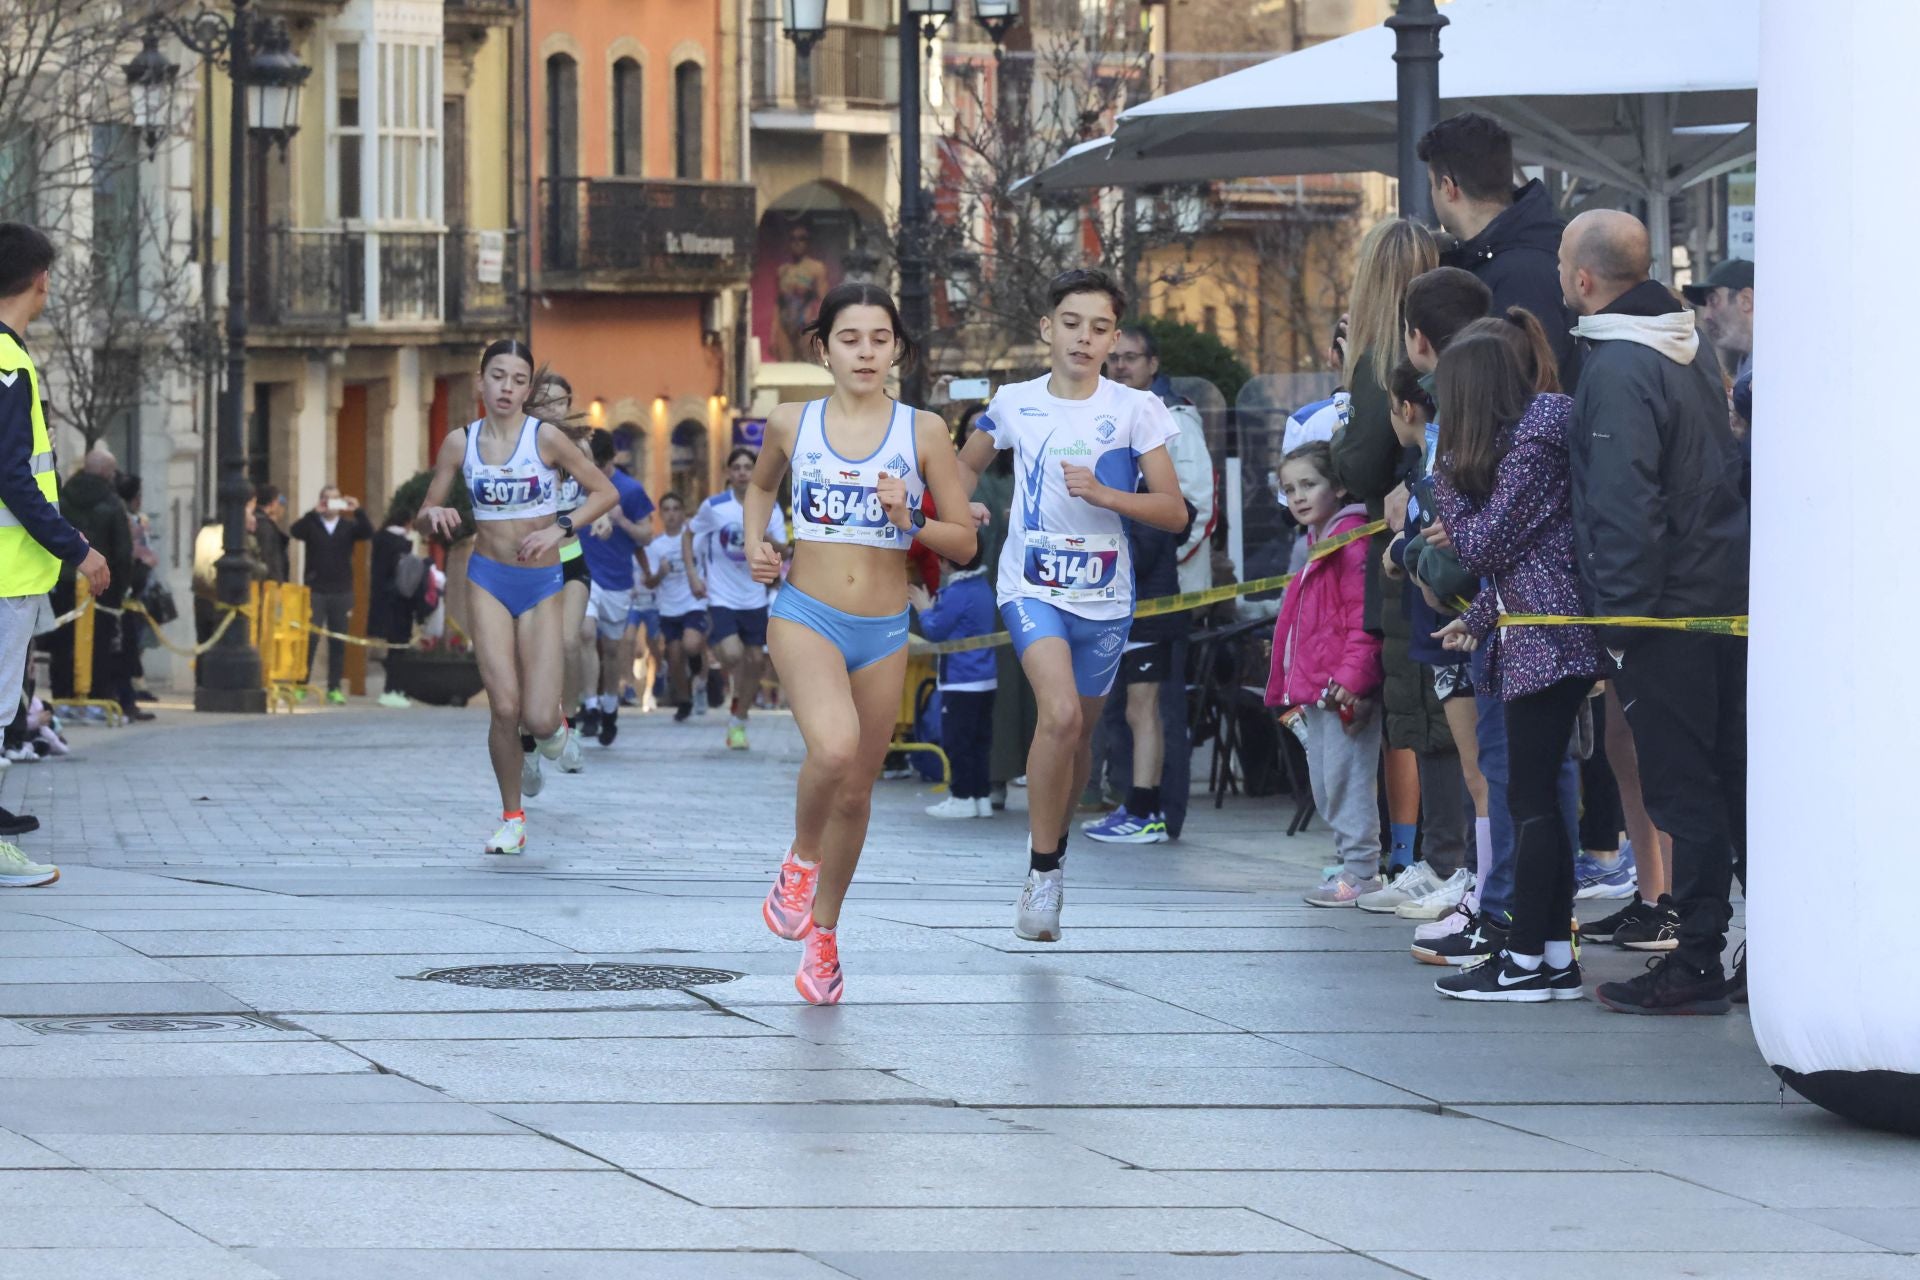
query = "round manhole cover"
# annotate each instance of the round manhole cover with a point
(578, 977)
(149, 1025)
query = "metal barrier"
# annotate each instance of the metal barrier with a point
(83, 657)
(280, 612)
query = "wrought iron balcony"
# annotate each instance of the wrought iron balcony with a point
(332, 278)
(642, 234)
(851, 67)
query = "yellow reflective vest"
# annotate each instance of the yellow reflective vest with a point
(26, 567)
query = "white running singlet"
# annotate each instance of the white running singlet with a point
(834, 497)
(520, 488)
(1059, 548)
(720, 540)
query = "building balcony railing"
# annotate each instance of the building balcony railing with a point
(334, 278)
(851, 67)
(645, 234)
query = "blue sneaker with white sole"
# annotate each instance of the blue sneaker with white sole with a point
(1121, 827)
(1593, 881)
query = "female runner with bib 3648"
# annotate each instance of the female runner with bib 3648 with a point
(862, 466)
(514, 608)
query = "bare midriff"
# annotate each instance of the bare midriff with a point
(868, 582)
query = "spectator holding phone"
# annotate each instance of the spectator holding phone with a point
(328, 533)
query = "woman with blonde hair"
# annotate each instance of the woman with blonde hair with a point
(1426, 793)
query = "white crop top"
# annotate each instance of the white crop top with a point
(835, 499)
(522, 488)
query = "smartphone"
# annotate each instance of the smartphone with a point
(337, 504)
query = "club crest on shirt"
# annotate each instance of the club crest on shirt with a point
(898, 466)
(1108, 425)
(1028, 411)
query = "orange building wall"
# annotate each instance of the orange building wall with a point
(589, 31)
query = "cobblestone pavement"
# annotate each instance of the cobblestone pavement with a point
(1206, 1080)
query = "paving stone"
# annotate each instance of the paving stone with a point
(543, 1264)
(770, 1118)
(54, 943)
(1694, 1266)
(206, 1262)
(434, 1210)
(1109, 1266)
(1542, 1212)
(988, 1086)
(1126, 1017)
(471, 940)
(72, 999)
(96, 1057)
(364, 1103)
(1026, 1230)
(700, 1022)
(312, 1151)
(1896, 1229)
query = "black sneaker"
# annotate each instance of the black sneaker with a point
(682, 712)
(1669, 986)
(17, 824)
(609, 726)
(1483, 937)
(1737, 984)
(1603, 929)
(587, 722)
(1499, 978)
(1565, 984)
(1655, 929)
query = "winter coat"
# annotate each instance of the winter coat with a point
(963, 609)
(1321, 634)
(92, 505)
(389, 614)
(1520, 538)
(1517, 256)
(1660, 521)
(1156, 572)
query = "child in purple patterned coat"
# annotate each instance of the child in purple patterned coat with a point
(1504, 500)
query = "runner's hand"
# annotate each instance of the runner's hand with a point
(893, 500)
(1082, 484)
(603, 527)
(697, 585)
(764, 563)
(443, 521)
(540, 543)
(98, 575)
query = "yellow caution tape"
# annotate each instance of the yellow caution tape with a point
(1730, 625)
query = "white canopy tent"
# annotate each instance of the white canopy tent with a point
(1649, 96)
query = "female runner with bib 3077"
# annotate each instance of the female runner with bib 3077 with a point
(515, 608)
(862, 465)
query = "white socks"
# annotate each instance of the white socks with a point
(1560, 954)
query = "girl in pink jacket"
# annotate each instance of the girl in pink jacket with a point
(1327, 663)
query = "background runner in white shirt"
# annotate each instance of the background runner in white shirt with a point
(683, 619)
(715, 546)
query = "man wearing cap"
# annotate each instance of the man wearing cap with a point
(35, 539)
(1726, 315)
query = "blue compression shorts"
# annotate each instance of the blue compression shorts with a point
(1095, 646)
(518, 587)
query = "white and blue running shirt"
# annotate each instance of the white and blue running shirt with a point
(720, 540)
(1060, 549)
(674, 595)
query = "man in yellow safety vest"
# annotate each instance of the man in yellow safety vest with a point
(35, 540)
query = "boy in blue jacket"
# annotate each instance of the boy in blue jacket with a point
(963, 609)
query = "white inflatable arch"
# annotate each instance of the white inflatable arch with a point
(1834, 688)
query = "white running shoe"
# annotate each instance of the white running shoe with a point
(1415, 881)
(530, 779)
(17, 871)
(1038, 919)
(1439, 900)
(983, 807)
(510, 838)
(954, 807)
(396, 700)
(570, 753)
(1020, 781)
(1449, 923)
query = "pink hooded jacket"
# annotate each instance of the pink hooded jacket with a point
(1321, 633)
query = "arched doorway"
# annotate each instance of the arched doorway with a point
(811, 239)
(687, 457)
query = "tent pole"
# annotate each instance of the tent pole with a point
(1416, 55)
(1656, 137)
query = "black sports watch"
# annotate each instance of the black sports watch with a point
(919, 519)
(565, 524)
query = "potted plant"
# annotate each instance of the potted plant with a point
(440, 670)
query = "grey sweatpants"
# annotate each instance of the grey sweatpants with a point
(1345, 770)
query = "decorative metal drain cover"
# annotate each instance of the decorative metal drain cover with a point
(578, 977)
(207, 1024)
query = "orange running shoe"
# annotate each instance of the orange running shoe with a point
(818, 981)
(789, 906)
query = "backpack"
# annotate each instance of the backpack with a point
(409, 576)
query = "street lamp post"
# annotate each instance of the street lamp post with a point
(920, 20)
(266, 101)
(1416, 55)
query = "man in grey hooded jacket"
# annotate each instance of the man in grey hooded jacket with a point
(1661, 530)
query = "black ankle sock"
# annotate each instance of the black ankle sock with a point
(526, 743)
(1143, 801)
(1038, 861)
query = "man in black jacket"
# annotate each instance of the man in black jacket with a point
(1661, 530)
(1509, 239)
(328, 532)
(92, 504)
